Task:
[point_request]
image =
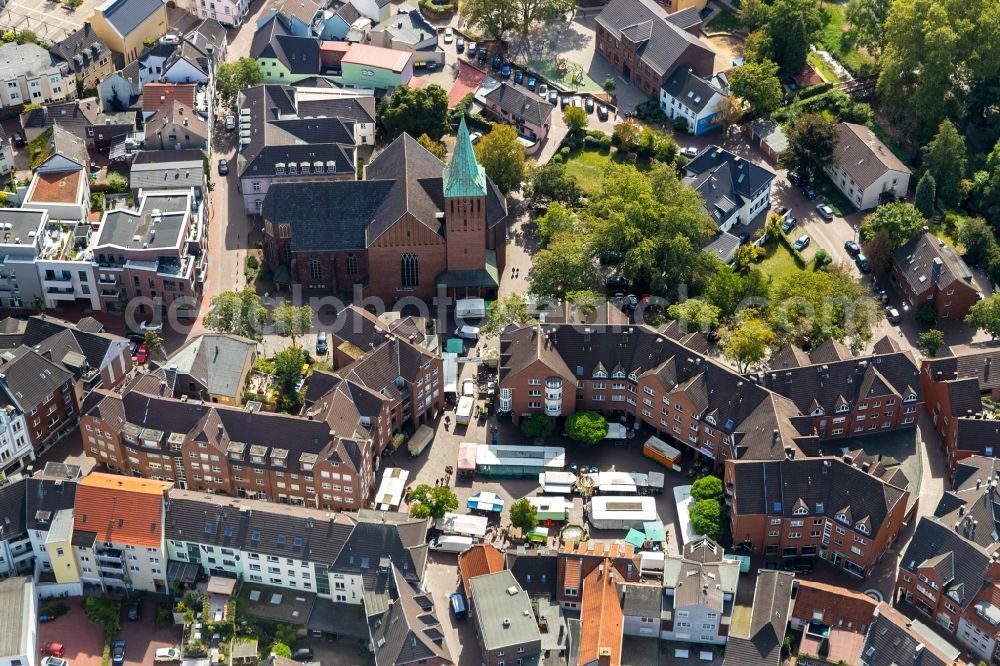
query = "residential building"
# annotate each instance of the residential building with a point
(61, 184)
(930, 272)
(213, 367)
(229, 13)
(304, 17)
(408, 31)
(699, 592)
(723, 246)
(118, 533)
(6, 154)
(864, 168)
(177, 127)
(504, 619)
(536, 571)
(366, 66)
(979, 626)
(49, 502)
(125, 25)
(122, 89)
(168, 170)
(87, 57)
(16, 555)
(511, 105)
(833, 620)
(642, 608)
(849, 396)
(768, 621)
(284, 139)
(154, 252)
(954, 388)
(19, 644)
(376, 11)
(283, 56)
(694, 98)
(41, 392)
(22, 243)
(431, 227)
(93, 356)
(31, 75)
(893, 638)
(601, 618)
(208, 447)
(645, 44)
(409, 632)
(481, 559)
(578, 560)
(848, 514)
(84, 119)
(735, 189)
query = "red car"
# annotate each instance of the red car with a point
(53, 649)
(142, 354)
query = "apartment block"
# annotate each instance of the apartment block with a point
(31, 75)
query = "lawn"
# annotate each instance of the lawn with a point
(823, 67)
(835, 39)
(723, 22)
(778, 261)
(588, 167)
(833, 197)
(547, 68)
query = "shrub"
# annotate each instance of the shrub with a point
(537, 425)
(591, 142)
(925, 315)
(822, 259)
(117, 183)
(557, 159)
(605, 142)
(565, 151)
(707, 487)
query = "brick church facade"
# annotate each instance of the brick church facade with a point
(412, 227)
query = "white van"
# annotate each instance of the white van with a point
(167, 654)
(467, 332)
(451, 544)
(470, 308)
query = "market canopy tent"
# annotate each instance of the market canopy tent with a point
(390, 490)
(484, 501)
(463, 524)
(636, 538)
(654, 531)
(421, 438)
(467, 457)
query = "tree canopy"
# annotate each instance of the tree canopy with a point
(695, 314)
(986, 188)
(812, 140)
(748, 341)
(867, 19)
(787, 28)
(820, 305)
(923, 199)
(575, 119)
(492, 17)
(523, 515)
(237, 313)
(502, 156)
(551, 182)
(415, 111)
(757, 84)
(288, 373)
(900, 219)
(234, 77)
(565, 265)
(537, 425)
(508, 310)
(436, 148)
(945, 159)
(707, 487)
(879, 250)
(930, 341)
(588, 428)
(292, 321)
(706, 518)
(557, 219)
(432, 502)
(985, 315)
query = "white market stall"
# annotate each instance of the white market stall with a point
(615, 483)
(463, 524)
(551, 508)
(557, 483)
(449, 362)
(390, 490)
(484, 501)
(684, 502)
(463, 414)
(510, 461)
(620, 513)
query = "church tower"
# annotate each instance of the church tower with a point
(465, 206)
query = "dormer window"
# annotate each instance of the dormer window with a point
(618, 375)
(818, 412)
(910, 397)
(842, 517)
(291, 169)
(710, 420)
(633, 377)
(861, 527)
(843, 408)
(600, 374)
(801, 511)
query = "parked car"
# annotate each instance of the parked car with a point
(744, 237)
(543, 90)
(589, 104)
(475, 137)
(483, 55)
(578, 101)
(53, 649)
(852, 248)
(322, 346)
(134, 607)
(553, 96)
(118, 653)
(689, 151)
(616, 282)
(223, 167)
(460, 44)
(497, 62)
(788, 224)
(518, 76)
(532, 82)
(167, 654)
(794, 178)
(602, 112)
(892, 314)
(149, 326)
(883, 295)
(862, 262)
(142, 355)
(54, 661)
(302, 654)
(471, 50)
(19, 139)
(230, 123)
(564, 102)
(809, 192)
(467, 332)
(802, 242)
(824, 211)
(505, 70)
(137, 338)
(449, 35)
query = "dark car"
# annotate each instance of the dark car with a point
(744, 237)
(553, 96)
(789, 224)
(862, 262)
(460, 44)
(302, 654)
(518, 76)
(883, 295)
(497, 62)
(19, 140)
(505, 70)
(482, 56)
(589, 104)
(602, 112)
(223, 167)
(118, 653)
(616, 282)
(794, 178)
(564, 102)
(133, 610)
(852, 248)
(809, 192)
(532, 82)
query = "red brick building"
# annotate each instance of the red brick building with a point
(930, 272)
(41, 390)
(424, 226)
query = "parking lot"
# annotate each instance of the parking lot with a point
(48, 19)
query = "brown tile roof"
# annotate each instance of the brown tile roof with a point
(156, 97)
(926, 261)
(986, 602)
(601, 618)
(863, 156)
(121, 509)
(836, 605)
(480, 560)
(49, 187)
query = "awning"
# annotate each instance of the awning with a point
(182, 572)
(221, 585)
(635, 537)
(484, 501)
(467, 456)
(455, 346)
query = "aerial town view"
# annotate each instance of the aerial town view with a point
(500, 332)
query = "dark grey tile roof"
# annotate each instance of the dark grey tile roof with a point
(972, 363)
(28, 378)
(127, 15)
(530, 108)
(982, 436)
(403, 542)
(974, 470)
(721, 245)
(640, 599)
(973, 507)
(13, 499)
(94, 346)
(410, 631)
(69, 145)
(30, 60)
(969, 561)
(167, 169)
(662, 42)
(358, 109)
(535, 570)
(82, 48)
(768, 621)
(892, 640)
(44, 498)
(692, 91)
(926, 261)
(275, 40)
(218, 361)
(863, 155)
(725, 181)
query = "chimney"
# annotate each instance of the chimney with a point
(937, 266)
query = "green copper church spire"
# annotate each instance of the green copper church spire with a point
(463, 177)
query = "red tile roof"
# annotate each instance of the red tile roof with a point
(838, 606)
(481, 559)
(121, 509)
(601, 618)
(157, 97)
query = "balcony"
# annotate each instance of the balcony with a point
(553, 383)
(104, 279)
(59, 291)
(553, 408)
(58, 276)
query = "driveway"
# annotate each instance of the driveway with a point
(83, 640)
(143, 638)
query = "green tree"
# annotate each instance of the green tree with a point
(432, 502)
(730, 112)
(286, 633)
(925, 314)
(509, 310)
(945, 159)
(695, 314)
(728, 289)
(822, 258)
(985, 315)
(707, 487)
(530, 12)
(757, 47)
(537, 425)
(415, 111)
(575, 119)
(288, 364)
(238, 313)
(754, 13)
(757, 84)
(977, 238)
(523, 515)
(584, 302)
(588, 428)
(502, 156)
(435, 148)
(879, 250)
(792, 26)
(234, 77)
(900, 219)
(923, 200)
(153, 342)
(625, 135)
(557, 220)
(811, 143)
(748, 341)
(104, 612)
(492, 17)
(281, 650)
(551, 182)
(868, 19)
(117, 183)
(931, 341)
(565, 265)
(609, 85)
(291, 321)
(986, 187)
(706, 518)
(821, 305)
